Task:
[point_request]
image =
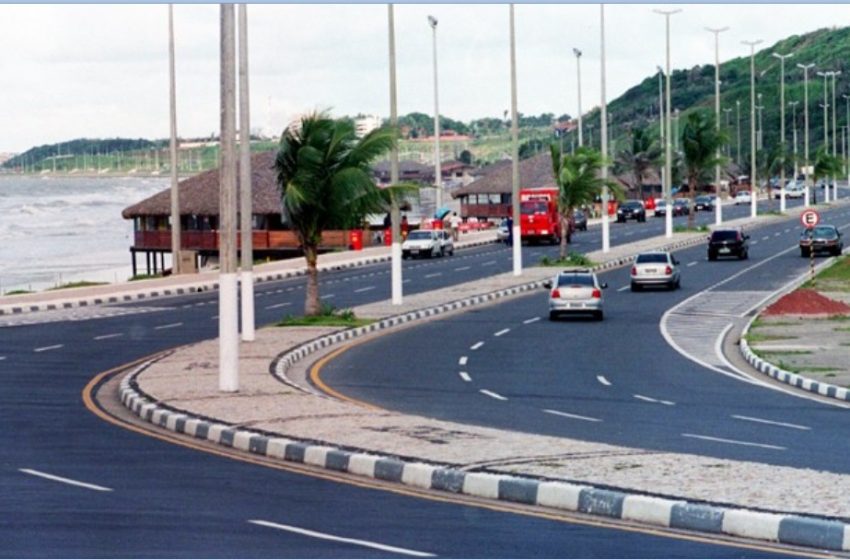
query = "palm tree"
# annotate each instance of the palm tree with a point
(701, 142)
(578, 178)
(325, 180)
(637, 160)
(826, 165)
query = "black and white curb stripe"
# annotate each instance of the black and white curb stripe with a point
(13, 309)
(616, 504)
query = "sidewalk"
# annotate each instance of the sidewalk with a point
(281, 416)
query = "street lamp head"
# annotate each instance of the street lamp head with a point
(432, 21)
(806, 66)
(576, 52)
(782, 56)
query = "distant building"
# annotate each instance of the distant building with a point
(366, 124)
(4, 157)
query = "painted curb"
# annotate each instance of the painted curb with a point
(611, 503)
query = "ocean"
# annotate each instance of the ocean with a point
(55, 230)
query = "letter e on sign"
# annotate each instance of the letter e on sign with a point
(809, 218)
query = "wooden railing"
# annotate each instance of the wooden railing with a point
(263, 239)
(485, 210)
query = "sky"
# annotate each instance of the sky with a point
(101, 70)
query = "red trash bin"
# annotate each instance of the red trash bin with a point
(356, 238)
(436, 224)
(388, 237)
(612, 207)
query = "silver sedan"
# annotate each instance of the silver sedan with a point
(575, 291)
(655, 268)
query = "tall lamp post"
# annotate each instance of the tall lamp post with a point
(246, 189)
(578, 82)
(834, 134)
(396, 279)
(846, 163)
(438, 177)
(753, 181)
(782, 58)
(516, 234)
(793, 105)
(738, 134)
(606, 241)
(175, 197)
(668, 210)
(806, 167)
(661, 126)
(718, 212)
(825, 105)
(760, 134)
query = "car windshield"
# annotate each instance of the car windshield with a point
(632, 205)
(725, 235)
(824, 231)
(575, 280)
(680, 202)
(533, 207)
(651, 258)
(419, 235)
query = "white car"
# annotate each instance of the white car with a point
(743, 197)
(655, 268)
(795, 190)
(428, 243)
(575, 291)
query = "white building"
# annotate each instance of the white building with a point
(366, 124)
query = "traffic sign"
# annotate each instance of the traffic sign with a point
(809, 218)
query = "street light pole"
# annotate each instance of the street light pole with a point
(517, 231)
(578, 81)
(661, 135)
(606, 238)
(834, 133)
(806, 68)
(668, 170)
(396, 271)
(727, 111)
(438, 178)
(175, 196)
(718, 212)
(793, 105)
(753, 183)
(782, 58)
(246, 189)
(759, 107)
(846, 163)
(738, 138)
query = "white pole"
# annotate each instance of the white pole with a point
(834, 133)
(661, 125)
(175, 197)
(396, 271)
(806, 68)
(782, 58)
(578, 82)
(438, 179)
(228, 311)
(753, 173)
(718, 212)
(517, 232)
(668, 214)
(246, 188)
(606, 236)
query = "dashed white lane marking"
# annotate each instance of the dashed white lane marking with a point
(754, 243)
(476, 346)
(734, 442)
(65, 480)
(168, 326)
(650, 399)
(465, 376)
(328, 296)
(278, 305)
(48, 348)
(2, 358)
(573, 416)
(777, 234)
(624, 288)
(488, 263)
(532, 320)
(105, 336)
(462, 361)
(693, 263)
(771, 422)
(462, 268)
(601, 379)
(493, 395)
(366, 289)
(765, 238)
(433, 275)
(327, 537)
(501, 332)
(405, 281)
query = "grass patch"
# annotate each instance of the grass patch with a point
(573, 259)
(787, 367)
(839, 318)
(144, 277)
(816, 369)
(845, 344)
(17, 292)
(836, 278)
(685, 229)
(789, 352)
(81, 284)
(759, 337)
(841, 329)
(329, 316)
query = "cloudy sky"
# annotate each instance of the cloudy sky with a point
(73, 71)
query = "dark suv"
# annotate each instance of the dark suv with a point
(631, 209)
(821, 238)
(728, 243)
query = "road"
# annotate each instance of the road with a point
(115, 492)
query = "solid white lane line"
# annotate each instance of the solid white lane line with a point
(334, 538)
(46, 348)
(624, 288)
(647, 399)
(735, 442)
(2, 358)
(366, 289)
(501, 332)
(65, 480)
(496, 396)
(601, 379)
(105, 336)
(433, 275)
(573, 416)
(465, 376)
(693, 263)
(532, 320)
(476, 346)
(488, 263)
(168, 326)
(462, 268)
(278, 305)
(771, 422)
(328, 296)
(462, 361)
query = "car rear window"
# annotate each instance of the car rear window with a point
(414, 235)
(575, 280)
(724, 235)
(824, 232)
(651, 258)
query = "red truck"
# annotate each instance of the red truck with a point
(539, 218)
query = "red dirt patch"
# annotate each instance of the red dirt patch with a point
(807, 302)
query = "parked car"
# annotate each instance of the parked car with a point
(821, 239)
(728, 243)
(680, 207)
(427, 243)
(502, 233)
(631, 210)
(660, 207)
(655, 268)
(704, 202)
(795, 190)
(575, 291)
(580, 220)
(743, 197)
